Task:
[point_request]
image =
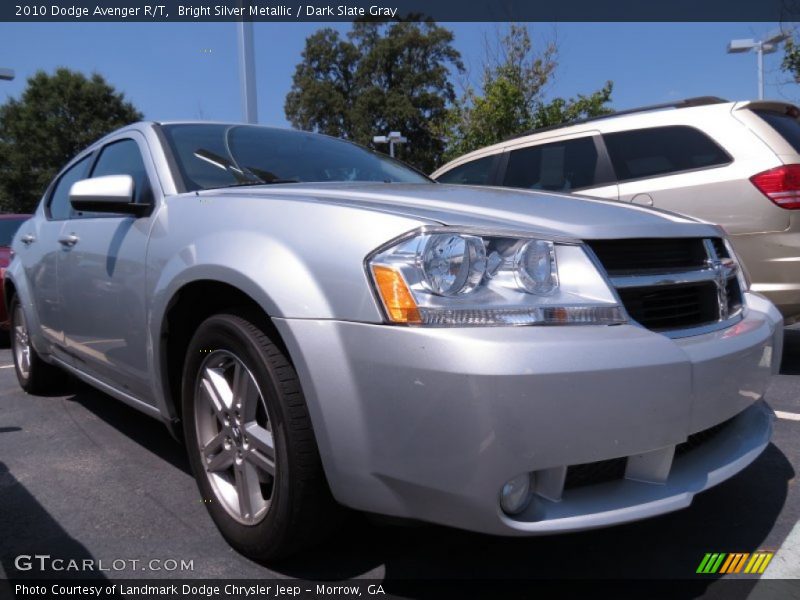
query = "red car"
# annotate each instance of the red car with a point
(9, 223)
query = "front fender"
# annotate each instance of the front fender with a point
(295, 259)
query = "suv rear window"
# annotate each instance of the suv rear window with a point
(662, 151)
(557, 166)
(785, 124)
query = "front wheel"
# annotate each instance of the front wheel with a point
(250, 441)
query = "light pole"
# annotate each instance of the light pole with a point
(393, 138)
(761, 47)
(247, 70)
(6, 74)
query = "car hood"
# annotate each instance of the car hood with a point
(548, 213)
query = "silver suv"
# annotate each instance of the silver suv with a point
(732, 163)
(324, 326)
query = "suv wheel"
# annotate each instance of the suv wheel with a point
(33, 374)
(250, 442)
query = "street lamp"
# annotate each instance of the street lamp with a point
(247, 68)
(766, 46)
(247, 71)
(6, 74)
(393, 138)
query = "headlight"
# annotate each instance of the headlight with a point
(451, 277)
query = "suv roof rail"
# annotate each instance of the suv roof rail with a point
(685, 103)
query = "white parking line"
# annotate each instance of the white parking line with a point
(6, 366)
(783, 415)
(786, 562)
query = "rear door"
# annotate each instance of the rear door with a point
(570, 164)
(683, 169)
(40, 253)
(102, 277)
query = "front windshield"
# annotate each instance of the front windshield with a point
(213, 156)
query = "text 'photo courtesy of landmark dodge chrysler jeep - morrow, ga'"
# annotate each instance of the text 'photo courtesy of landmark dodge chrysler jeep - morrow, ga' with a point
(327, 328)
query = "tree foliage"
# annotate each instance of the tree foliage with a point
(791, 59)
(56, 116)
(382, 77)
(512, 97)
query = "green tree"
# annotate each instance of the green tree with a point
(512, 97)
(56, 116)
(791, 59)
(382, 77)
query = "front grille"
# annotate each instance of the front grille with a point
(672, 284)
(653, 255)
(734, 295)
(664, 307)
(613, 469)
(696, 440)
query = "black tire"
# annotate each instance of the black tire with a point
(302, 511)
(40, 378)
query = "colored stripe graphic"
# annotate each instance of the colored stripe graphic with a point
(720, 562)
(759, 562)
(734, 563)
(711, 562)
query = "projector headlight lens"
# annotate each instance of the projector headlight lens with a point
(536, 267)
(453, 264)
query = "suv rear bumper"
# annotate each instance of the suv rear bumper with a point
(430, 423)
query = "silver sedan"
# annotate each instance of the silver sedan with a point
(327, 328)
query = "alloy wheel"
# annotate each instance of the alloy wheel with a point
(21, 342)
(235, 437)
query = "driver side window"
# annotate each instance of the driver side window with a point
(59, 207)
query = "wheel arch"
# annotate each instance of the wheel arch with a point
(186, 308)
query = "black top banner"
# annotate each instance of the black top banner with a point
(439, 10)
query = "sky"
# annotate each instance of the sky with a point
(189, 70)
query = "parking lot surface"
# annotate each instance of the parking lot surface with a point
(86, 477)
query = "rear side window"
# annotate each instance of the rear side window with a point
(785, 124)
(559, 166)
(662, 151)
(476, 172)
(59, 207)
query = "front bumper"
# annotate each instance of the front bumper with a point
(429, 423)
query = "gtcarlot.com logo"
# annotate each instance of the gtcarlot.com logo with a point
(45, 562)
(734, 562)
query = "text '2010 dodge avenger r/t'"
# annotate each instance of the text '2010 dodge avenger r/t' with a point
(326, 327)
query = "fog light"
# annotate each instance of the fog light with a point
(515, 494)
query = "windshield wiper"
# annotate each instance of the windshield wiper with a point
(249, 183)
(241, 175)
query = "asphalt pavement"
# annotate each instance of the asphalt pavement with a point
(85, 477)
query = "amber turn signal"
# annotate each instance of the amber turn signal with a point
(397, 299)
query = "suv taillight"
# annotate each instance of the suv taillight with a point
(781, 185)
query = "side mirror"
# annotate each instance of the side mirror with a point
(107, 194)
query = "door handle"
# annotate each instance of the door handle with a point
(27, 239)
(68, 240)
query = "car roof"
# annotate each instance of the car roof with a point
(14, 216)
(694, 111)
(685, 103)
